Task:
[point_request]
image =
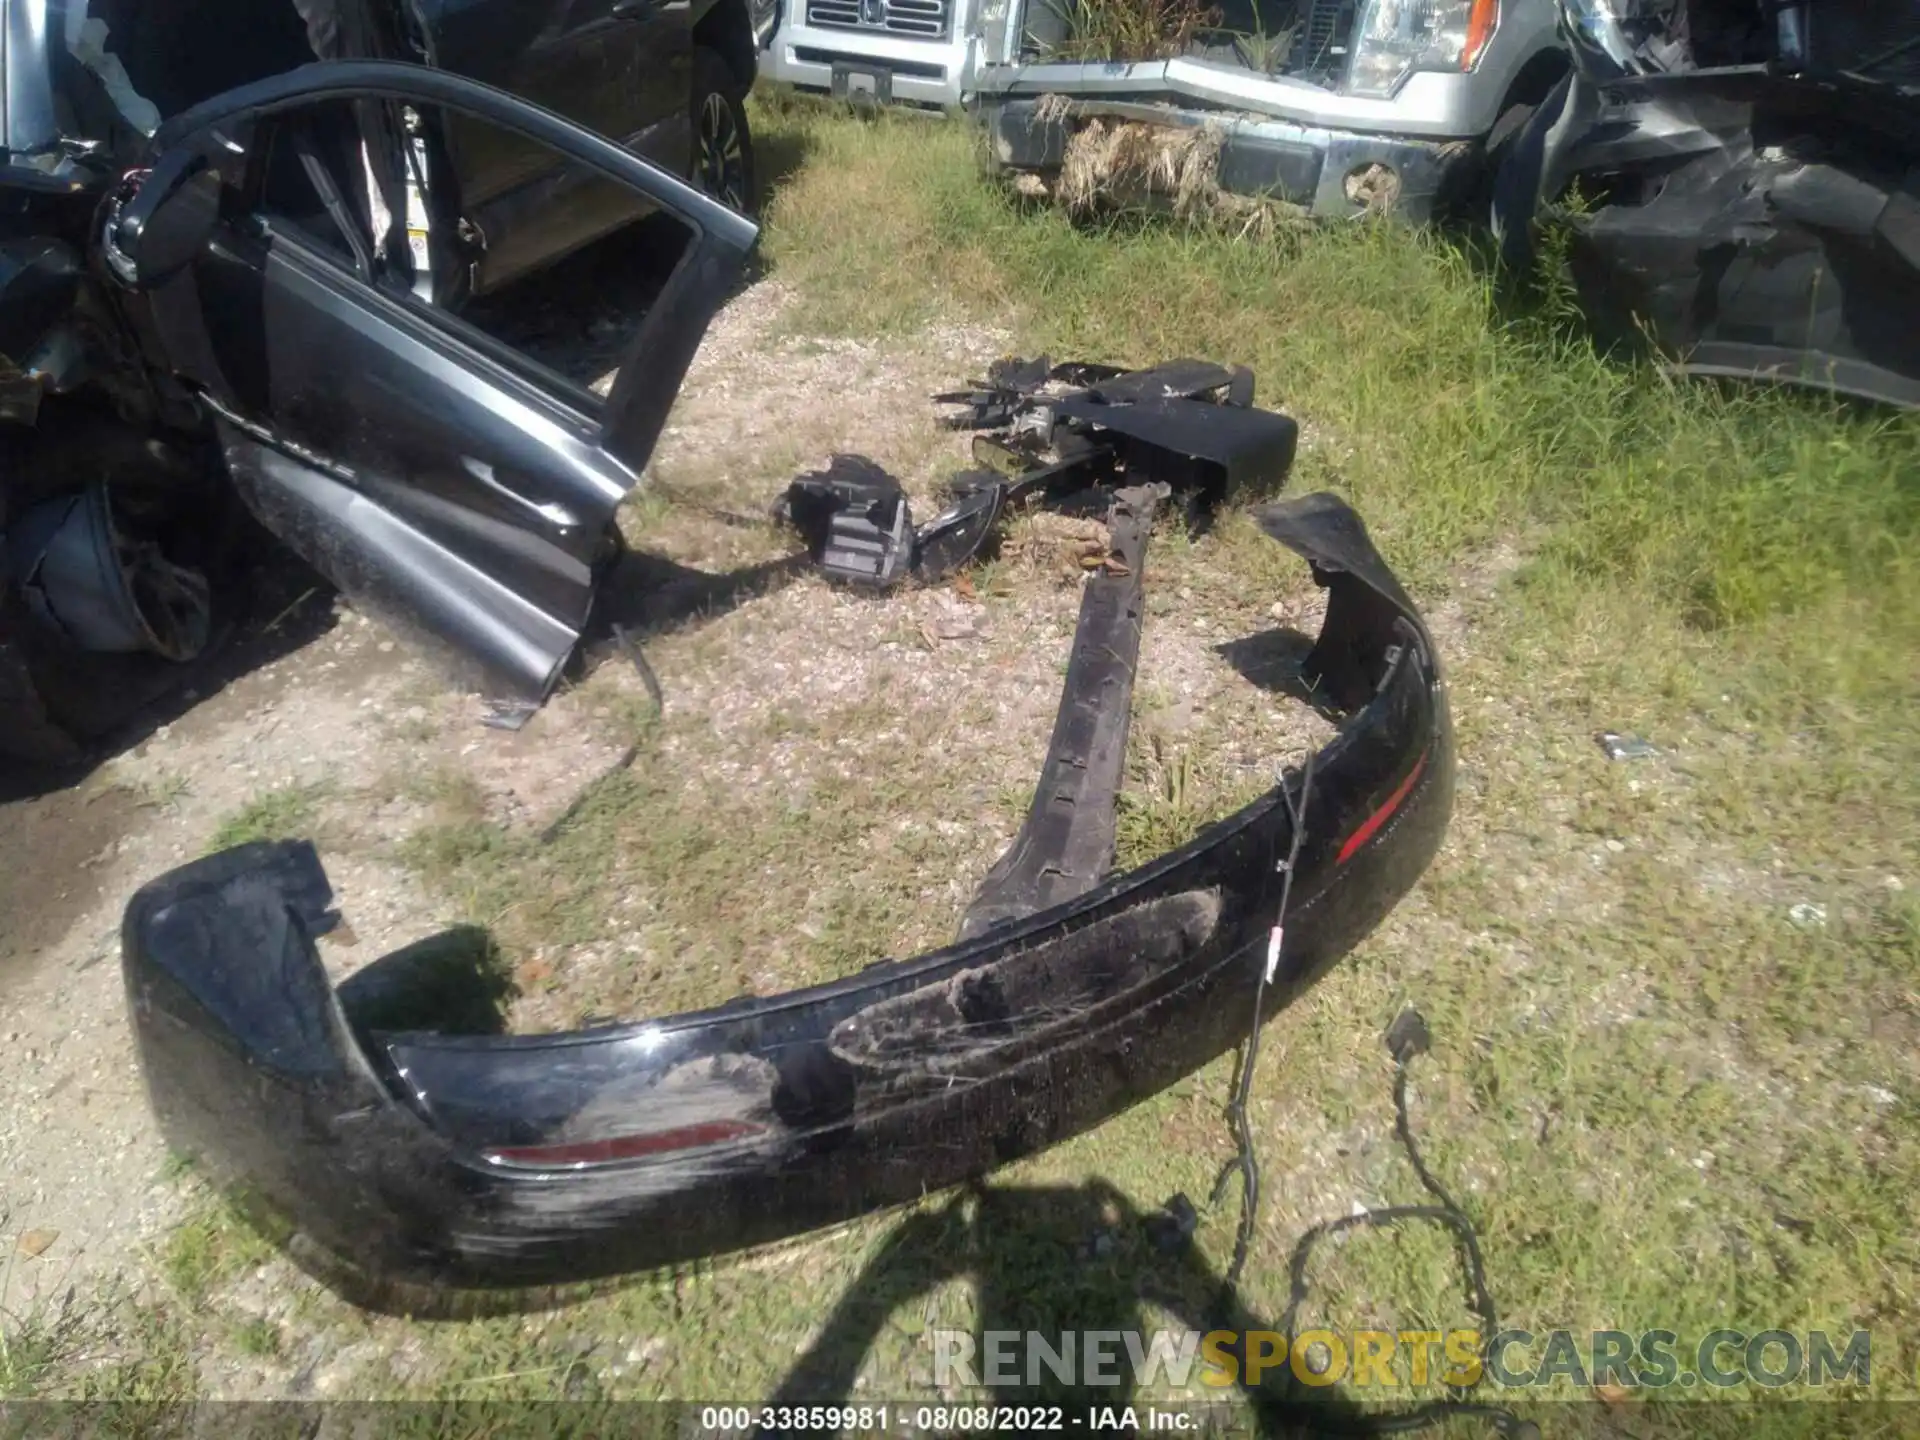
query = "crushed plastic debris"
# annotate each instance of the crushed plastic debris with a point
(1625, 747)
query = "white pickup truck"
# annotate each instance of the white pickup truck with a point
(1338, 106)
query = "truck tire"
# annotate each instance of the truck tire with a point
(722, 143)
(28, 734)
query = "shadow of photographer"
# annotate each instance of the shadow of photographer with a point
(1052, 1267)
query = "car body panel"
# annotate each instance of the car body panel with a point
(412, 462)
(616, 67)
(1758, 220)
(622, 68)
(415, 1150)
(1428, 104)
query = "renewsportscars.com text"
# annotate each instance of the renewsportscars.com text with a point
(1389, 1359)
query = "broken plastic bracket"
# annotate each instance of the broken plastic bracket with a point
(856, 521)
(955, 536)
(1187, 424)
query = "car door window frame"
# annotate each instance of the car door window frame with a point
(627, 420)
(587, 405)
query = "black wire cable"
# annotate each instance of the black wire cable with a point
(1406, 1037)
(630, 648)
(637, 658)
(1874, 62)
(1246, 1161)
(673, 495)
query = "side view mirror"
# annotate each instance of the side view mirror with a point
(167, 221)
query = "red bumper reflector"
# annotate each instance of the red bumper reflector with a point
(1371, 825)
(625, 1147)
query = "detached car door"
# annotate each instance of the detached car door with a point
(460, 483)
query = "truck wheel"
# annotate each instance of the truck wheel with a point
(28, 735)
(722, 144)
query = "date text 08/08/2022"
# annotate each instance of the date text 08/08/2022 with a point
(942, 1419)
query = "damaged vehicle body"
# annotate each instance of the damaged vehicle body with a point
(1749, 192)
(1335, 107)
(416, 1148)
(268, 305)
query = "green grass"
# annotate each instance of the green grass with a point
(653, 857)
(130, 1359)
(29, 1348)
(284, 814)
(1169, 799)
(1664, 1103)
(211, 1247)
(257, 1337)
(1108, 30)
(144, 1376)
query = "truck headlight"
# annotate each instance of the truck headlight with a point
(1394, 38)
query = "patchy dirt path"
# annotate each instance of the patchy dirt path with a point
(78, 1151)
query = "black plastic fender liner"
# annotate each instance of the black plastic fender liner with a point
(475, 1160)
(1774, 256)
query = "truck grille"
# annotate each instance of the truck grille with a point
(921, 19)
(1326, 25)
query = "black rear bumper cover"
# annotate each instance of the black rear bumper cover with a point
(471, 1160)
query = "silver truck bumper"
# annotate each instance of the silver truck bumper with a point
(861, 65)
